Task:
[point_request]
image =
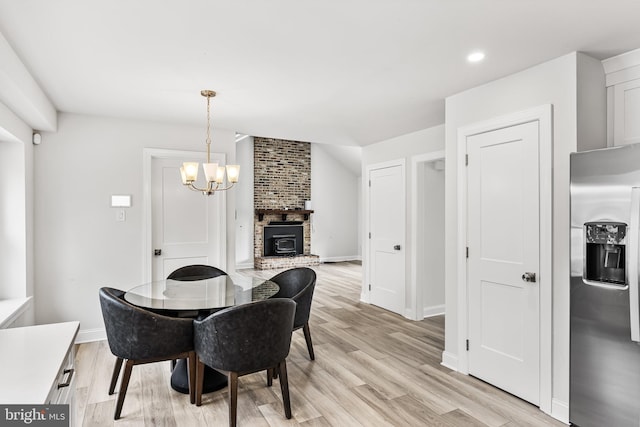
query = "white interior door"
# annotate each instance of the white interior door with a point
(387, 228)
(187, 226)
(503, 242)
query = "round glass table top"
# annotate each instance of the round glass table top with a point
(218, 292)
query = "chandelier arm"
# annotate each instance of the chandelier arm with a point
(226, 188)
(209, 189)
(191, 186)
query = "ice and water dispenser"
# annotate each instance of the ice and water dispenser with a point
(604, 258)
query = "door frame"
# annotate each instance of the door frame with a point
(543, 115)
(417, 212)
(365, 295)
(148, 154)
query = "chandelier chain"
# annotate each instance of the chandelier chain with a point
(208, 140)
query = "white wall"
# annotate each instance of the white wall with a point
(79, 246)
(244, 204)
(431, 240)
(554, 82)
(402, 147)
(334, 196)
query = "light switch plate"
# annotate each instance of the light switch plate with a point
(121, 201)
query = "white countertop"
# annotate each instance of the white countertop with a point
(30, 359)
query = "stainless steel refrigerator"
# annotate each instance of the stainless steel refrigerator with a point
(605, 325)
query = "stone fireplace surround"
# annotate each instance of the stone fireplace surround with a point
(282, 183)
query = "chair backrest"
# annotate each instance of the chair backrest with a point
(248, 337)
(138, 334)
(196, 272)
(297, 284)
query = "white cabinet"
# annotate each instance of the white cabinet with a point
(38, 365)
(623, 98)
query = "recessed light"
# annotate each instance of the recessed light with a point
(475, 57)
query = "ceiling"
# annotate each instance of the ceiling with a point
(349, 72)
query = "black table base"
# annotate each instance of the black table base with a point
(213, 380)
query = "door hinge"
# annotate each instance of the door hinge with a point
(467, 251)
(369, 286)
(467, 345)
(369, 183)
(369, 234)
(466, 160)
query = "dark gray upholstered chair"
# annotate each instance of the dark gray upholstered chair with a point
(190, 273)
(140, 336)
(245, 339)
(196, 272)
(298, 284)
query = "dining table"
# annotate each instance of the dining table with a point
(198, 299)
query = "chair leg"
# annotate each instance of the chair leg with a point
(269, 377)
(191, 370)
(233, 398)
(284, 387)
(123, 388)
(199, 381)
(114, 376)
(307, 338)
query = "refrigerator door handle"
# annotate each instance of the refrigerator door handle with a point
(634, 259)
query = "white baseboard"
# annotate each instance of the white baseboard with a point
(410, 314)
(364, 296)
(560, 410)
(89, 335)
(449, 360)
(341, 258)
(434, 310)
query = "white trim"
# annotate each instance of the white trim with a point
(409, 314)
(90, 335)
(12, 309)
(560, 410)
(461, 258)
(622, 68)
(244, 265)
(341, 258)
(365, 295)
(148, 154)
(415, 291)
(622, 76)
(621, 62)
(544, 116)
(449, 360)
(434, 310)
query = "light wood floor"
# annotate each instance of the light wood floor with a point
(372, 368)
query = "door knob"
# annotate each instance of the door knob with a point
(529, 277)
(157, 252)
(396, 247)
